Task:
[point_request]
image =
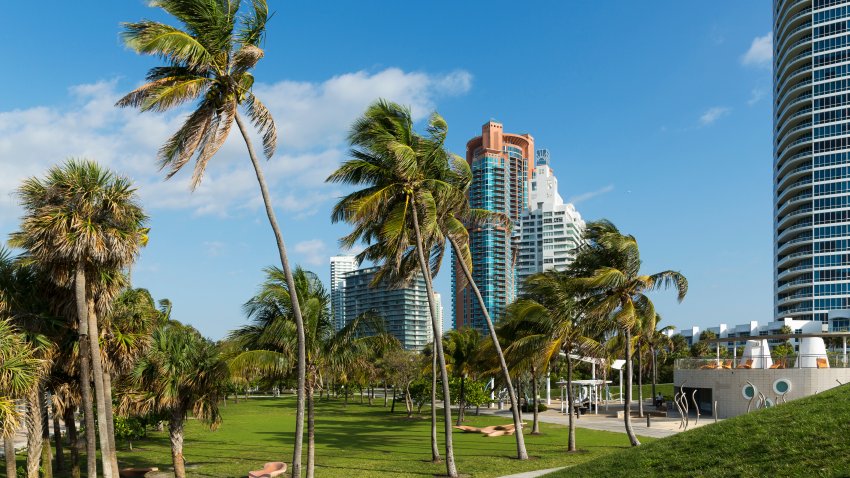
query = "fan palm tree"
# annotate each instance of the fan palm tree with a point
(455, 216)
(613, 289)
(395, 212)
(82, 222)
(181, 372)
(462, 354)
(548, 323)
(210, 60)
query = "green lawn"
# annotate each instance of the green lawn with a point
(665, 389)
(807, 438)
(358, 441)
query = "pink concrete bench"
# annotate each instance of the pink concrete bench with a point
(270, 470)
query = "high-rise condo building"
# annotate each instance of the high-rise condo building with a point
(502, 165)
(404, 309)
(811, 105)
(550, 231)
(438, 299)
(340, 265)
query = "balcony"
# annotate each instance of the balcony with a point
(791, 215)
(794, 284)
(793, 160)
(789, 23)
(791, 76)
(795, 186)
(795, 61)
(794, 271)
(801, 128)
(797, 240)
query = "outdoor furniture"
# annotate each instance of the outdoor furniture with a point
(270, 470)
(135, 472)
(727, 364)
(747, 364)
(822, 363)
(491, 431)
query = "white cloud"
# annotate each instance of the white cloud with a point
(760, 52)
(312, 119)
(592, 194)
(713, 114)
(756, 95)
(312, 252)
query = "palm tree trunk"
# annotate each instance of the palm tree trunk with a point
(175, 432)
(71, 428)
(85, 370)
(627, 402)
(9, 455)
(385, 394)
(311, 432)
(571, 441)
(290, 284)
(522, 454)
(34, 438)
(460, 404)
(535, 427)
(57, 437)
(408, 402)
(110, 420)
(640, 381)
(435, 447)
(99, 391)
(46, 453)
(451, 468)
(654, 371)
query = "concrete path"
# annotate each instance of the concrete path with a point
(607, 421)
(534, 474)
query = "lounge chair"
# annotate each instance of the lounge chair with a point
(822, 363)
(777, 365)
(747, 364)
(727, 364)
(270, 470)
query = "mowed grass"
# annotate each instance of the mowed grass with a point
(358, 441)
(665, 389)
(809, 437)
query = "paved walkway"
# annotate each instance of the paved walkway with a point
(534, 474)
(607, 421)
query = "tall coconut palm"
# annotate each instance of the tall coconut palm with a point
(181, 372)
(209, 59)
(547, 323)
(658, 341)
(80, 222)
(613, 289)
(395, 212)
(455, 216)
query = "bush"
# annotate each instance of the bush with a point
(528, 407)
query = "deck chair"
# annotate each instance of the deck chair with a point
(822, 363)
(747, 364)
(468, 429)
(270, 470)
(727, 364)
(777, 365)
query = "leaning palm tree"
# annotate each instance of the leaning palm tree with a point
(210, 60)
(546, 323)
(182, 372)
(82, 224)
(612, 288)
(395, 212)
(454, 217)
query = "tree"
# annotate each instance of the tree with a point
(404, 368)
(181, 372)
(545, 323)
(395, 212)
(82, 223)
(613, 289)
(462, 346)
(210, 60)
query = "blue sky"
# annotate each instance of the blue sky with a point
(656, 114)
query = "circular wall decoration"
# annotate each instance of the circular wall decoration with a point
(768, 403)
(749, 391)
(782, 386)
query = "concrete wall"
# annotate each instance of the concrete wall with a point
(727, 385)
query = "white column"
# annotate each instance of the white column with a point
(844, 343)
(548, 388)
(621, 385)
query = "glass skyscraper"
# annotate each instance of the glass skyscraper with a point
(811, 75)
(502, 166)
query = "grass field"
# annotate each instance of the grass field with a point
(357, 441)
(807, 438)
(665, 389)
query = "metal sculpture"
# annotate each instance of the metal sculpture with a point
(696, 406)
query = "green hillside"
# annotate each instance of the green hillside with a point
(806, 437)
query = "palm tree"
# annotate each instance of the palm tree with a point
(454, 217)
(613, 289)
(181, 372)
(462, 353)
(547, 323)
(395, 212)
(210, 60)
(82, 223)
(20, 371)
(657, 342)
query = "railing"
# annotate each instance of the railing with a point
(763, 362)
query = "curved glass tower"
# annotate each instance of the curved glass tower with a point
(811, 80)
